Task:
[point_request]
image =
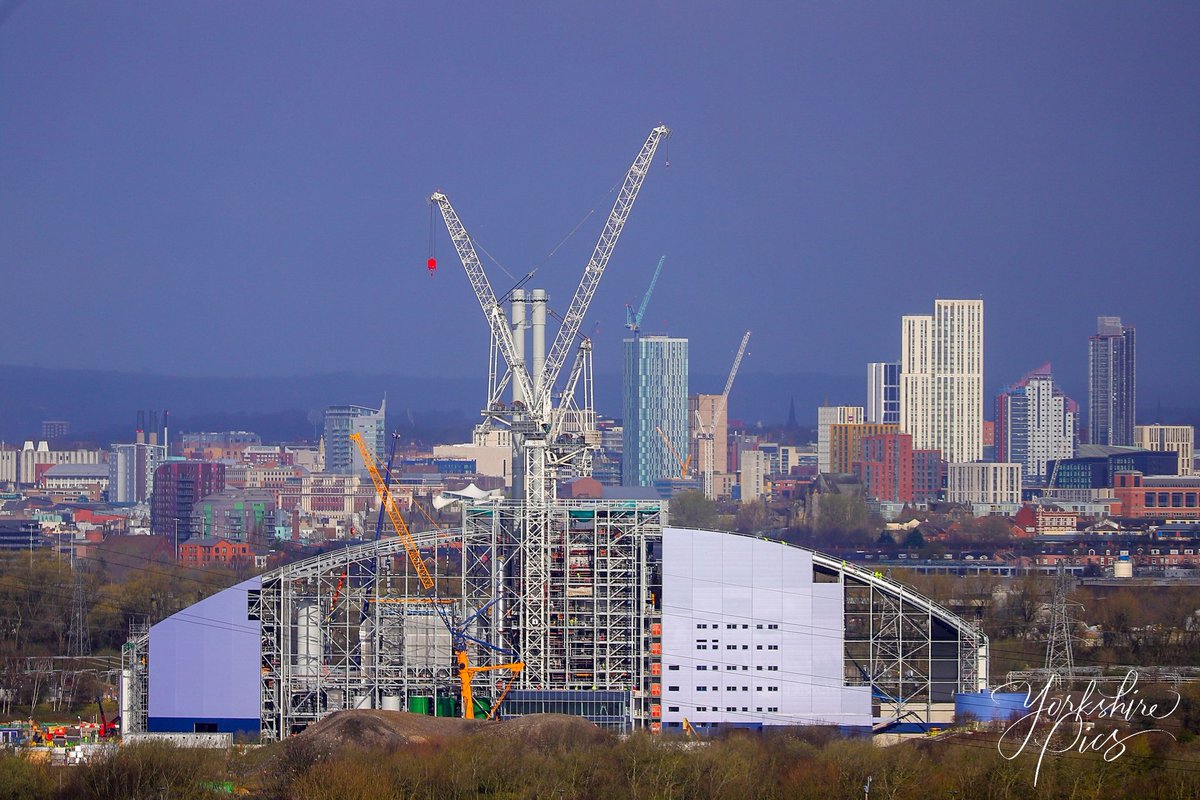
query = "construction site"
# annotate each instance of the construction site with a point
(536, 604)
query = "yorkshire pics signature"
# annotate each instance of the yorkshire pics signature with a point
(1058, 723)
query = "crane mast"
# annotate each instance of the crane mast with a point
(539, 456)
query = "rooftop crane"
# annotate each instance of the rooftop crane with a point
(705, 443)
(634, 321)
(458, 633)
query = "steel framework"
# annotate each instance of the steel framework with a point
(353, 628)
(581, 608)
(912, 652)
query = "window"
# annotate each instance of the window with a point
(702, 625)
(701, 647)
(701, 688)
(745, 647)
(731, 666)
(701, 667)
(759, 626)
(744, 627)
(772, 669)
(731, 647)
(731, 708)
(773, 627)
(702, 708)
(759, 668)
(672, 688)
(672, 708)
(673, 667)
(731, 627)
(772, 708)
(758, 688)
(772, 688)
(772, 647)
(758, 647)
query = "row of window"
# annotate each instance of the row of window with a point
(1171, 499)
(727, 708)
(734, 626)
(735, 647)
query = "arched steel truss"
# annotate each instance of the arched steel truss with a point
(352, 628)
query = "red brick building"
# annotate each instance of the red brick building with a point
(1156, 496)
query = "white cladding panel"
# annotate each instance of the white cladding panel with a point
(748, 637)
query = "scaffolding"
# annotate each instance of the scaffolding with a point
(583, 609)
(135, 679)
(352, 628)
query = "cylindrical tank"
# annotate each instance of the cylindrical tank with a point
(308, 639)
(126, 700)
(366, 647)
(1123, 568)
(391, 702)
(362, 701)
(988, 707)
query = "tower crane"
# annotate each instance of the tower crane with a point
(459, 637)
(705, 435)
(634, 321)
(539, 458)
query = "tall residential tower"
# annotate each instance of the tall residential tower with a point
(1112, 383)
(941, 379)
(654, 396)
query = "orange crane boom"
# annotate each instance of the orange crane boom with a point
(389, 504)
(683, 463)
(465, 671)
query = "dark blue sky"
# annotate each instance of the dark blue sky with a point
(238, 188)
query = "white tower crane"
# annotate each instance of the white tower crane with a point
(540, 452)
(705, 442)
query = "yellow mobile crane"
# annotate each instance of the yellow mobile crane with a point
(458, 633)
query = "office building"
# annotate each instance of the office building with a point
(883, 392)
(1178, 439)
(1035, 424)
(24, 467)
(654, 398)
(1112, 383)
(1095, 466)
(828, 416)
(941, 379)
(341, 455)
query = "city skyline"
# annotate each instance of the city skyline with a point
(257, 168)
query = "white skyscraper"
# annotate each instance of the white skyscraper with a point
(655, 398)
(941, 379)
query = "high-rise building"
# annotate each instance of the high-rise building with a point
(883, 392)
(654, 397)
(1112, 383)
(984, 484)
(341, 454)
(131, 471)
(714, 415)
(1177, 438)
(941, 379)
(827, 417)
(178, 486)
(1035, 424)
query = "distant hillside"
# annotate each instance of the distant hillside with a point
(102, 405)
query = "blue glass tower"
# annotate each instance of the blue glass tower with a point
(654, 396)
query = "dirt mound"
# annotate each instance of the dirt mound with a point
(547, 730)
(371, 728)
(376, 728)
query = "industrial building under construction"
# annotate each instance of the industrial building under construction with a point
(534, 604)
